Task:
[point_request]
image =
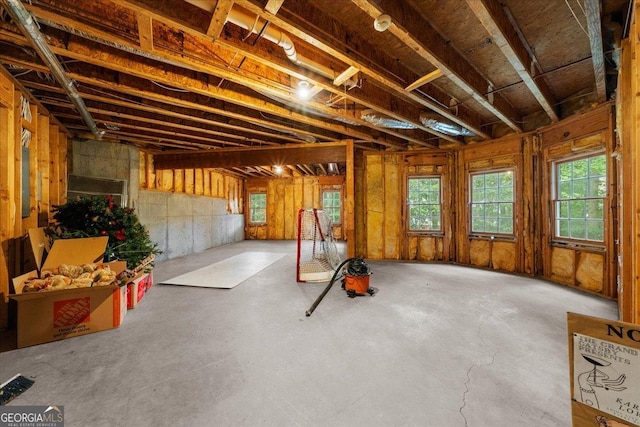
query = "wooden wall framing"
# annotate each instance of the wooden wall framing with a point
(199, 182)
(587, 267)
(47, 179)
(285, 197)
(628, 164)
(381, 209)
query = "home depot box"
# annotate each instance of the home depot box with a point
(137, 288)
(56, 315)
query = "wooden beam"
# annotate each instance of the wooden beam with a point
(161, 112)
(505, 36)
(349, 201)
(592, 10)
(428, 78)
(167, 12)
(427, 42)
(297, 17)
(259, 156)
(145, 30)
(273, 6)
(114, 59)
(219, 17)
(345, 75)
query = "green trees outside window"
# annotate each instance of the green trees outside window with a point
(258, 208)
(581, 186)
(331, 205)
(492, 202)
(424, 204)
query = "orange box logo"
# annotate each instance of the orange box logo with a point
(71, 312)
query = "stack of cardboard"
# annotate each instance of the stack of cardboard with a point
(56, 315)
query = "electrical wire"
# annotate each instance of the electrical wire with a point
(169, 88)
(574, 15)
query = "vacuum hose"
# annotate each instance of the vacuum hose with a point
(333, 279)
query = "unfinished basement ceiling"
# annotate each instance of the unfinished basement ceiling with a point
(219, 81)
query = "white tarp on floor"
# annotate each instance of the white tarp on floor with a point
(227, 273)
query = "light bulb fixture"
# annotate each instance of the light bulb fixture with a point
(277, 169)
(303, 92)
(382, 23)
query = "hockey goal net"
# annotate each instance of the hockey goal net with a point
(318, 255)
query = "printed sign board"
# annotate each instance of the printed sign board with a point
(604, 358)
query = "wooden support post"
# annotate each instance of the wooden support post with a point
(44, 207)
(349, 197)
(7, 187)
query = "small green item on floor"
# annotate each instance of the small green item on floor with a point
(14, 388)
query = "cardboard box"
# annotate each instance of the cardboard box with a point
(55, 315)
(137, 288)
(150, 281)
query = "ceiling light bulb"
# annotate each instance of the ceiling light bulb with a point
(277, 169)
(382, 23)
(304, 90)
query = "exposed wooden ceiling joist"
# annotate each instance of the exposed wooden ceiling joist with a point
(493, 18)
(429, 44)
(592, 10)
(358, 53)
(182, 76)
(239, 157)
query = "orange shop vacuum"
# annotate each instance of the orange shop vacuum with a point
(355, 281)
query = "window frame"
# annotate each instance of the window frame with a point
(492, 234)
(554, 199)
(408, 205)
(251, 209)
(339, 209)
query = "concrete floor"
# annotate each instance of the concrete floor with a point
(439, 345)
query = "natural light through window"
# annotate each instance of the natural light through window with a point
(331, 205)
(424, 204)
(492, 202)
(258, 208)
(581, 186)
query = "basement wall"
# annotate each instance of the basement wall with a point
(182, 224)
(179, 223)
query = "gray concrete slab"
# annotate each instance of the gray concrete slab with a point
(439, 345)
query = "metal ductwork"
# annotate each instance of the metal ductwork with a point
(256, 25)
(439, 124)
(381, 120)
(30, 29)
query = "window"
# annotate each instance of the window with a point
(424, 204)
(331, 205)
(257, 208)
(580, 189)
(492, 202)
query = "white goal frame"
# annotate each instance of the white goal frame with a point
(318, 255)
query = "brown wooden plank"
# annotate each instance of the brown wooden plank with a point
(592, 10)
(44, 207)
(298, 18)
(497, 24)
(17, 149)
(259, 156)
(54, 166)
(219, 17)
(7, 187)
(145, 30)
(62, 160)
(429, 44)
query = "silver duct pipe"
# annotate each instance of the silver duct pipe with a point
(384, 121)
(254, 23)
(30, 29)
(442, 125)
